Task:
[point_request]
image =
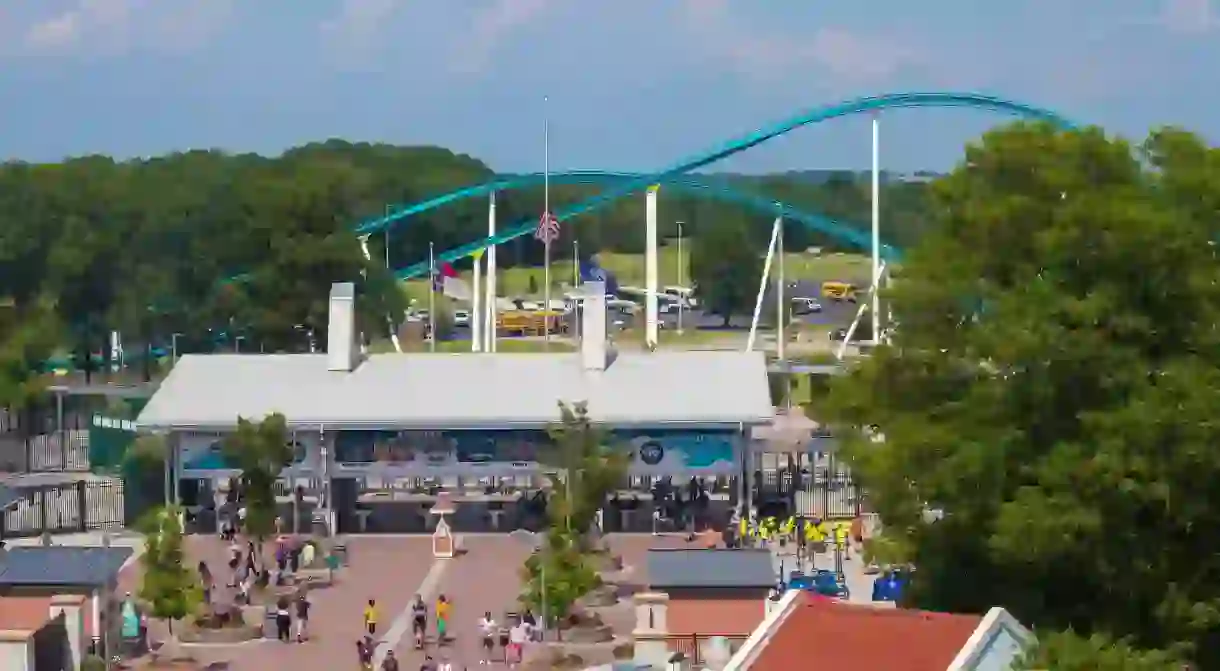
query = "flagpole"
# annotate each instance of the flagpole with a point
(546, 208)
(576, 302)
(431, 298)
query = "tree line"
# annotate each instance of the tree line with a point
(92, 245)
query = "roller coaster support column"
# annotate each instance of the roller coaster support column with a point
(762, 283)
(650, 266)
(489, 333)
(476, 305)
(878, 327)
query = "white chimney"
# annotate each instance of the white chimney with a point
(341, 328)
(593, 350)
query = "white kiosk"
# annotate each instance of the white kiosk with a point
(444, 545)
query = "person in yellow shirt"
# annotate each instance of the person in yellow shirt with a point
(442, 617)
(370, 617)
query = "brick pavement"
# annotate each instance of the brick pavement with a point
(389, 569)
(486, 577)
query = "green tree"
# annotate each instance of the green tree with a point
(563, 571)
(586, 469)
(171, 589)
(26, 339)
(1065, 651)
(1052, 390)
(261, 450)
(726, 267)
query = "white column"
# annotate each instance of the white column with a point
(762, 284)
(489, 334)
(476, 312)
(781, 312)
(876, 242)
(650, 266)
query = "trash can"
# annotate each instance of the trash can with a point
(269, 630)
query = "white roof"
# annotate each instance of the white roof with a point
(456, 391)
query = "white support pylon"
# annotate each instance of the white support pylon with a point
(476, 305)
(762, 284)
(651, 309)
(490, 330)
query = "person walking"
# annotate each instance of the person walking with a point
(390, 663)
(442, 618)
(302, 621)
(370, 617)
(487, 631)
(283, 620)
(364, 653)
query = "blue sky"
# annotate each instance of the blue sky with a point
(632, 84)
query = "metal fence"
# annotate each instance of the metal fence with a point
(83, 505)
(695, 648)
(65, 451)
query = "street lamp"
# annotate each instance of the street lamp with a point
(538, 543)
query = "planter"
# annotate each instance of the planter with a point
(232, 634)
(600, 597)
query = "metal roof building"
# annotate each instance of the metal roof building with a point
(342, 390)
(710, 569)
(61, 566)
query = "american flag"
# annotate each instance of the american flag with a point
(548, 228)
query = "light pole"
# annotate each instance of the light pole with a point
(173, 346)
(681, 299)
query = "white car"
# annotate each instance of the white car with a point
(461, 317)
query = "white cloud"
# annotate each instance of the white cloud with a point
(1193, 17)
(355, 30)
(493, 25)
(847, 56)
(113, 26)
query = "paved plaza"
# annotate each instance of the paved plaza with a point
(392, 569)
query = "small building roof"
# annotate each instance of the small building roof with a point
(865, 637)
(457, 391)
(61, 565)
(710, 568)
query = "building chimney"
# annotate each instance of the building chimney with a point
(341, 328)
(593, 350)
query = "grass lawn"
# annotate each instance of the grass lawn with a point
(629, 269)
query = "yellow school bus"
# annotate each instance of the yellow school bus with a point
(839, 291)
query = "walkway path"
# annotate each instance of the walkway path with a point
(486, 577)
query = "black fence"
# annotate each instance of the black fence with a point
(807, 486)
(33, 442)
(71, 507)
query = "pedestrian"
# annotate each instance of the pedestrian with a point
(442, 618)
(364, 653)
(370, 617)
(302, 618)
(487, 631)
(429, 664)
(535, 631)
(419, 620)
(517, 636)
(205, 578)
(390, 663)
(283, 620)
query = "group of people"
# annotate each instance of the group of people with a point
(805, 532)
(366, 646)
